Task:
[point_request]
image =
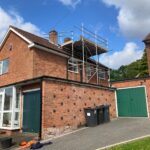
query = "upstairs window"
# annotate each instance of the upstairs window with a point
(4, 65)
(89, 71)
(101, 75)
(73, 66)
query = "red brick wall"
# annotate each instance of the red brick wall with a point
(49, 64)
(52, 65)
(132, 83)
(63, 105)
(100, 82)
(74, 76)
(148, 56)
(30, 86)
(21, 60)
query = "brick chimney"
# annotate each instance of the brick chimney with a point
(53, 37)
(67, 39)
(147, 46)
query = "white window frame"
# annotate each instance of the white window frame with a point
(1, 66)
(12, 111)
(16, 110)
(73, 63)
(88, 71)
(101, 71)
(1, 111)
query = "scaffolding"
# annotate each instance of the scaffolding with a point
(82, 50)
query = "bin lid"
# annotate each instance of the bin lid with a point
(107, 105)
(99, 107)
(87, 108)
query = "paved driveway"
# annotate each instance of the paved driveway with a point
(92, 138)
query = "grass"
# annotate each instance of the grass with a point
(143, 144)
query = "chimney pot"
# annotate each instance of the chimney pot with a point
(53, 37)
(67, 39)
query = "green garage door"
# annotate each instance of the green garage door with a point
(31, 112)
(132, 102)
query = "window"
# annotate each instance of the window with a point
(7, 119)
(9, 108)
(0, 67)
(73, 66)
(1, 102)
(17, 111)
(8, 99)
(88, 70)
(4, 65)
(101, 74)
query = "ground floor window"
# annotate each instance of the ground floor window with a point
(9, 108)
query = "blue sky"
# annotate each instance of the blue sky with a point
(123, 23)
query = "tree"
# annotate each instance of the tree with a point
(138, 68)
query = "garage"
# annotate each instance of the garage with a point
(31, 111)
(132, 102)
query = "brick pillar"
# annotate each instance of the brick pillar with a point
(147, 46)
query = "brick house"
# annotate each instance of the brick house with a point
(43, 89)
(133, 95)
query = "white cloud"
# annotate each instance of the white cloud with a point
(13, 18)
(72, 3)
(133, 16)
(129, 54)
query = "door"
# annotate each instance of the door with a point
(132, 102)
(31, 112)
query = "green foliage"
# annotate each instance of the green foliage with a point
(136, 69)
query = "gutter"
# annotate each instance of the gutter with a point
(38, 79)
(131, 79)
(47, 50)
(78, 83)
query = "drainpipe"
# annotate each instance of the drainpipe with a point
(41, 91)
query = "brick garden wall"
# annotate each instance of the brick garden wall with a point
(63, 105)
(133, 83)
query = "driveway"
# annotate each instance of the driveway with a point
(116, 131)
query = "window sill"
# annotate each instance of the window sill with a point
(102, 79)
(73, 71)
(3, 74)
(9, 128)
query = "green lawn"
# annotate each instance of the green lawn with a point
(143, 144)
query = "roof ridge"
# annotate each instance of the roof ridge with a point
(35, 38)
(11, 26)
(147, 37)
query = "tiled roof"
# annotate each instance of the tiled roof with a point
(45, 43)
(147, 38)
(38, 40)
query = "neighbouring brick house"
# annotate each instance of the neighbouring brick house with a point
(133, 95)
(43, 88)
